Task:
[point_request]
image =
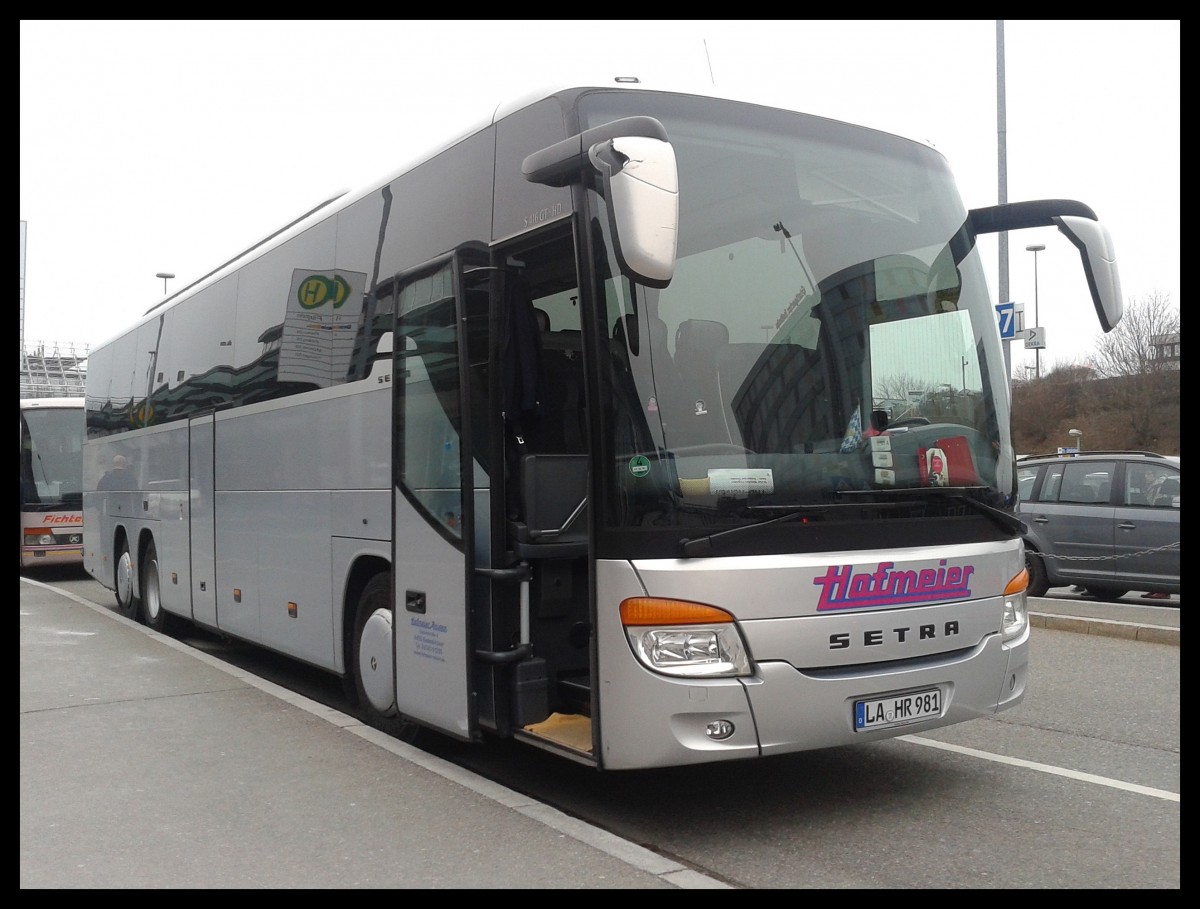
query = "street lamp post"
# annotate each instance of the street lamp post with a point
(1078, 437)
(1036, 248)
(165, 275)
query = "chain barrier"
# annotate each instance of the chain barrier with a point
(1111, 558)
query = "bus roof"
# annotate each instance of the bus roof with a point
(346, 197)
(51, 403)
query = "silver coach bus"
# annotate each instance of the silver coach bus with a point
(647, 428)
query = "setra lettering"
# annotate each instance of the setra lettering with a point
(876, 637)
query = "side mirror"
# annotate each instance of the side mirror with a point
(641, 184)
(1080, 225)
(1095, 247)
(640, 181)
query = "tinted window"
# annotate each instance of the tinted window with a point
(1084, 482)
(1155, 485)
(1026, 477)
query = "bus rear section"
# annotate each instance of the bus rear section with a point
(52, 431)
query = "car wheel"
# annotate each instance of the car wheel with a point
(126, 603)
(1107, 593)
(1038, 582)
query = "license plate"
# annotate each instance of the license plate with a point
(897, 709)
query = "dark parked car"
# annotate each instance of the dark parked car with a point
(1104, 520)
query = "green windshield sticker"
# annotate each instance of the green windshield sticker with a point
(639, 466)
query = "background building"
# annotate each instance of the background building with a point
(49, 369)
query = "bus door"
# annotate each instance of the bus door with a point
(203, 528)
(540, 652)
(438, 487)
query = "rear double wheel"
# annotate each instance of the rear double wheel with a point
(127, 603)
(151, 611)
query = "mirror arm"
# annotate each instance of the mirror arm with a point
(560, 164)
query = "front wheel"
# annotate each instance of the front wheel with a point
(372, 663)
(1038, 582)
(126, 602)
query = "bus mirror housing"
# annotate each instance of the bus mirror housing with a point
(641, 184)
(1080, 225)
(636, 166)
(1100, 264)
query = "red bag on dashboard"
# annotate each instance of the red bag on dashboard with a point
(960, 464)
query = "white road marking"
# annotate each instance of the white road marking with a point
(1045, 768)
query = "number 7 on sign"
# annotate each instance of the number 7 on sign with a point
(1007, 317)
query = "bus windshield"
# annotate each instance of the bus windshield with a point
(827, 334)
(51, 458)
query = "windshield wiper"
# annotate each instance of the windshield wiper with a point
(1007, 521)
(698, 546)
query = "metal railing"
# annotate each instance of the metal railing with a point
(51, 369)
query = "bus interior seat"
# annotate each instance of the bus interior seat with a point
(564, 415)
(628, 334)
(699, 345)
(553, 520)
(640, 346)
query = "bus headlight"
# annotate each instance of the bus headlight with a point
(681, 638)
(1016, 611)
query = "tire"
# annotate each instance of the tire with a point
(1038, 582)
(372, 660)
(127, 604)
(151, 612)
(1109, 594)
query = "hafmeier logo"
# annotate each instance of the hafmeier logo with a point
(843, 588)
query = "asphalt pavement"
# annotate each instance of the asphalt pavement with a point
(147, 764)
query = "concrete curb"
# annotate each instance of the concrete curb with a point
(1132, 631)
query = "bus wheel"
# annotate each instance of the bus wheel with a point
(1038, 582)
(152, 613)
(126, 604)
(372, 665)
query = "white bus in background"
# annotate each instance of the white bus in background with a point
(566, 434)
(51, 481)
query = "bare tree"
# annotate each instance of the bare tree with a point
(1129, 349)
(1139, 388)
(1126, 397)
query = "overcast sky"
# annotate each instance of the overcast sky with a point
(153, 146)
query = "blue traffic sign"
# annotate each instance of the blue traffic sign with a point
(1007, 317)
